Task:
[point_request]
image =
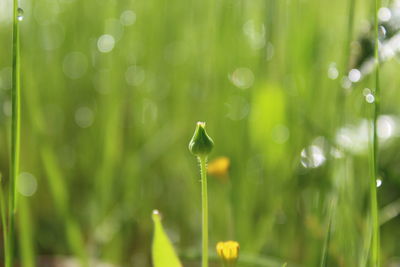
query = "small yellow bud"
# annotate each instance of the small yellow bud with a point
(219, 167)
(228, 251)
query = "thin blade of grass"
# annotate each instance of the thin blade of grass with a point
(15, 136)
(375, 261)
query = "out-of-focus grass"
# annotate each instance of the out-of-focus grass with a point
(105, 134)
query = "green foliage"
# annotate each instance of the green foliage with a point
(163, 254)
(104, 134)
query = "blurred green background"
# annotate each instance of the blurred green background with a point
(111, 92)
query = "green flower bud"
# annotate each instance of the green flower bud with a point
(201, 144)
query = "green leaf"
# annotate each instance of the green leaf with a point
(163, 253)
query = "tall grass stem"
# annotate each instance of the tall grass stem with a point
(204, 197)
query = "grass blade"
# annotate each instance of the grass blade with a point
(373, 191)
(15, 135)
(163, 253)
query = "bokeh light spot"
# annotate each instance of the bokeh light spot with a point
(128, 17)
(27, 184)
(242, 78)
(354, 75)
(384, 14)
(333, 72)
(105, 43)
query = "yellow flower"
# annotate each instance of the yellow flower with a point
(228, 251)
(219, 167)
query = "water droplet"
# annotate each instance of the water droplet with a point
(354, 75)
(20, 14)
(312, 157)
(156, 212)
(370, 98)
(336, 153)
(106, 43)
(333, 72)
(354, 138)
(128, 17)
(378, 183)
(366, 91)
(255, 32)
(386, 127)
(384, 14)
(27, 184)
(346, 83)
(242, 78)
(381, 32)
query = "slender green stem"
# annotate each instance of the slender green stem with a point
(375, 261)
(203, 170)
(15, 136)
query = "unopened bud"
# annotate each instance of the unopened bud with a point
(201, 144)
(228, 251)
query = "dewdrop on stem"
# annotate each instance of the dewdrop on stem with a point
(20, 14)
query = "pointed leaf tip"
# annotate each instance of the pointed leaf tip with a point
(163, 253)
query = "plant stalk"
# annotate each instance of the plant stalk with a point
(204, 197)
